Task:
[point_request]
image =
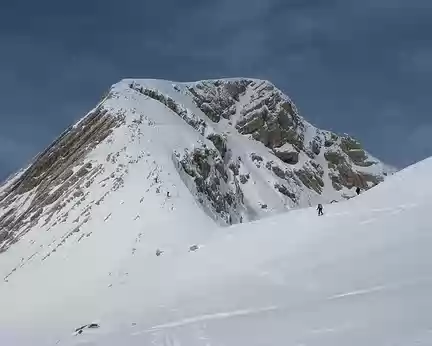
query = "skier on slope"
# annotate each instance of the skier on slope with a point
(358, 190)
(320, 209)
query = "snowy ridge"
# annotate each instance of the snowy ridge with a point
(359, 275)
(235, 149)
(238, 146)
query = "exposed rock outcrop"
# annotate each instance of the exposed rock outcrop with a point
(61, 165)
(218, 191)
(288, 156)
(216, 99)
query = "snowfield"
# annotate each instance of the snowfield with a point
(172, 215)
(359, 275)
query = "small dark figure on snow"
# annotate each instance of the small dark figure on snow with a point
(320, 209)
(358, 190)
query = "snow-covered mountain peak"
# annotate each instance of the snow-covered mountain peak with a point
(113, 234)
(233, 150)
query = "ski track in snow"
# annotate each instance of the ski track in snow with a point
(381, 288)
(359, 292)
(209, 317)
(256, 311)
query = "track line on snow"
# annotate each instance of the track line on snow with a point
(365, 222)
(359, 292)
(210, 317)
(375, 289)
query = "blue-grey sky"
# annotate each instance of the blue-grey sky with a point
(361, 67)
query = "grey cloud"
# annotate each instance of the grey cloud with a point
(361, 67)
(418, 61)
(12, 153)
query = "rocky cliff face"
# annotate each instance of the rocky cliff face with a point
(259, 109)
(239, 147)
(58, 176)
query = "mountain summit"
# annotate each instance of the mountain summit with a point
(233, 150)
(115, 234)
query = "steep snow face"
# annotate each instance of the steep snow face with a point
(212, 153)
(269, 157)
(359, 275)
(262, 138)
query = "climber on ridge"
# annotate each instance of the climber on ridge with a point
(320, 209)
(358, 190)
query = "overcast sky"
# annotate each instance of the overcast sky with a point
(363, 67)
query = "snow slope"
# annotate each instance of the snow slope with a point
(233, 150)
(118, 221)
(360, 275)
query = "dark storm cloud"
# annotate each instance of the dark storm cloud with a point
(362, 67)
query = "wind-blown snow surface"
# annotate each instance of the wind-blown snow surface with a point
(359, 275)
